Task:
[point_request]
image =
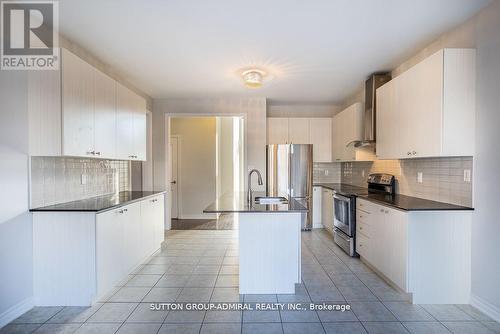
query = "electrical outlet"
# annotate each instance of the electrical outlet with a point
(83, 179)
(467, 175)
(420, 177)
(362, 173)
(326, 172)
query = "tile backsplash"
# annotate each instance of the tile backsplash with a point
(57, 180)
(442, 178)
(327, 172)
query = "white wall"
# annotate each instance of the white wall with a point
(197, 169)
(16, 273)
(486, 224)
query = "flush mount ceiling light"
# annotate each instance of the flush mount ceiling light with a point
(253, 77)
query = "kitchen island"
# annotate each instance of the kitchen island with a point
(269, 242)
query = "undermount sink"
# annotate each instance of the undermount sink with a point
(271, 200)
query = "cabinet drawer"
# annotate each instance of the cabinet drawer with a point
(364, 217)
(362, 245)
(365, 206)
(365, 228)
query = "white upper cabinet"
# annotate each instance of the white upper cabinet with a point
(320, 135)
(429, 110)
(387, 117)
(79, 111)
(77, 106)
(140, 126)
(124, 123)
(303, 130)
(348, 127)
(104, 115)
(44, 106)
(298, 131)
(277, 130)
(130, 124)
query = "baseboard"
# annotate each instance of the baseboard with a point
(199, 216)
(486, 307)
(16, 310)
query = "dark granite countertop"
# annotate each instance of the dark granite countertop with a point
(101, 203)
(402, 202)
(237, 203)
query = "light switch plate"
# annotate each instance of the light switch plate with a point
(83, 179)
(420, 177)
(467, 175)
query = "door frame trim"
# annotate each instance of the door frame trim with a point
(179, 168)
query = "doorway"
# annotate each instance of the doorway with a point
(207, 161)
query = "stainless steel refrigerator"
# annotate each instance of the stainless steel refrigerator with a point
(290, 174)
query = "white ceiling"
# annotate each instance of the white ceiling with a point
(318, 51)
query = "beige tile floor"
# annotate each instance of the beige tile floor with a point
(202, 265)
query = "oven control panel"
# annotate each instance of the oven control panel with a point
(382, 179)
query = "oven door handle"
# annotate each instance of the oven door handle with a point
(341, 198)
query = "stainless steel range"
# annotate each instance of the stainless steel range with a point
(344, 201)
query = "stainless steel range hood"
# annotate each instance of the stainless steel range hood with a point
(372, 83)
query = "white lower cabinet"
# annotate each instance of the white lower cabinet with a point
(88, 254)
(152, 221)
(110, 267)
(316, 213)
(327, 213)
(424, 253)
(382, 239)
(141, 234)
